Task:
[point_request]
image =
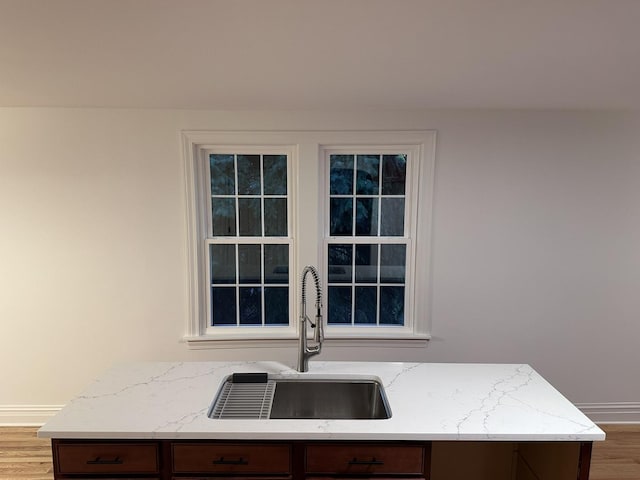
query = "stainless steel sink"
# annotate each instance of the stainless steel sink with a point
(329, 399)
(309, 397)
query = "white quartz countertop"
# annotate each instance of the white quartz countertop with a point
(429, 401)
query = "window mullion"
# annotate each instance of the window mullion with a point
(353, 279)
(262, 211)
(237, 283)
(378, 281)
(263, 287)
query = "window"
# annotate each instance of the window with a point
(367, 238)
(262, 205)
(248, 243)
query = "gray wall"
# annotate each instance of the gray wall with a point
(536, 236)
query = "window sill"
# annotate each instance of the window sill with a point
(204, 342)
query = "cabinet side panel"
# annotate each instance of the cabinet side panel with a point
(523, 471)
(549, 460)
(471, 460)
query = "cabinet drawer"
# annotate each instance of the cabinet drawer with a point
(235, 477)
(365, 459)
(231, 458)
(117, 458)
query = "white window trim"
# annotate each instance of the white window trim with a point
(307, 147)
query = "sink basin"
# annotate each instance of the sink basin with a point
(329, 399)
(310, 397)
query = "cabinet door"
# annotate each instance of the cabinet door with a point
(361, 459)
(237, 459)
(107, 458)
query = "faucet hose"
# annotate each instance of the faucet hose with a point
(316, 278)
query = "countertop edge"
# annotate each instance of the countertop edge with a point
(319, 437)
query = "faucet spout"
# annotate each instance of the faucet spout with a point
(305, 351)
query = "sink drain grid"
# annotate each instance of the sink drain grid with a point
(244, 400)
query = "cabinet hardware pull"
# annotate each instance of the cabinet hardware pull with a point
(373, 461)
(222, 461)
(105, 461)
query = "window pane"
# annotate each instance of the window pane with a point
(340, 261)
(250, 213)
(250, 306)
(367, 216)
(392, 305)
(223, 212)
(392, 263)
(249, 198)
(222, 174)
(276, 263)
(339, 307)
(276, 305)
(368, 175)
(392, 217)
(341, 174)
(366, 263)
(222, 263)
(366, 199)
(249, 262)
(394, 170)
(366, 305)
(249, 175)
(275, 217)
(275, 174)
(223, 306)
(341, 216)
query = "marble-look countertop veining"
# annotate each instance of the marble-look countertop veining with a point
(429, 401)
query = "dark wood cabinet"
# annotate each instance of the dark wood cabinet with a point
(76, 459)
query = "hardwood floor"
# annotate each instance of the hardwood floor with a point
(618, 457)
(23, 456)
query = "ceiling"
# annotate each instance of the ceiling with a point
(321, 54)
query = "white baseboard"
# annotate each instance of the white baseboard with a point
(26, 415)
(615, 412)
(37, 415)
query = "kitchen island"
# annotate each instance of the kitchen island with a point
(450, 421)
